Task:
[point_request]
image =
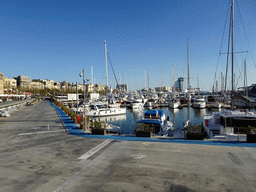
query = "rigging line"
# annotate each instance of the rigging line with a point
(240, 35)
(245, 33)
(220, 47)
(236, 83)
(236, 52)
(112, 68)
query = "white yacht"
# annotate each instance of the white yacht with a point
(155, 96)
(174, 104)
(216, 104)
(199, 103)
(230, 125)
(101, 110)
(81, 108)
(114, 105)
(137, 104)
(150, 103)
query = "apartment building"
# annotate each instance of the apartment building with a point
(98, 87)
(89, 87)
(1, 83)
(122, 87)
(37, 85)
(80, 87)
(162, 89)
(10, 83)
(49, 83)
(57, 85)
(23, 81)
(64, 85)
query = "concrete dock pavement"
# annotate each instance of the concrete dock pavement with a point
(37, 154)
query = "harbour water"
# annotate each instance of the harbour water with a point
(177, 116)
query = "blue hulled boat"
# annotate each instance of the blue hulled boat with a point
(158, 121)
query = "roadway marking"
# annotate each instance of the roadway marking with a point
(138, 156)
(39, 132)
(88, 166)
(145, 143)
(95, 149)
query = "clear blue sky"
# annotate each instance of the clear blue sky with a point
(57, 39)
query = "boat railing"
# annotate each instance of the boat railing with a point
(155, 119)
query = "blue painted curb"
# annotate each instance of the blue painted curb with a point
(76, 131)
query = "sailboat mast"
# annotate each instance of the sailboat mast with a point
(188, 72)
(148, 80)
(174, 88)
(232, 53)
(92, 75)
(245, 80)
(232, 48)
(123, 79)
(106, 61)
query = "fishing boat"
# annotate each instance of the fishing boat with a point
(156, 119)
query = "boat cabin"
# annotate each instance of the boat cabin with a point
(238, 123)
(155, 119)
(153, 114)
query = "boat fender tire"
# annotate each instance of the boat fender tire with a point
(206, 123)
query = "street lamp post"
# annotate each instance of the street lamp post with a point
(76, 103)
(84, 90)
(84, 99)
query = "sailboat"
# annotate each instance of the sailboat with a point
(230, 124)
(99, 110)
